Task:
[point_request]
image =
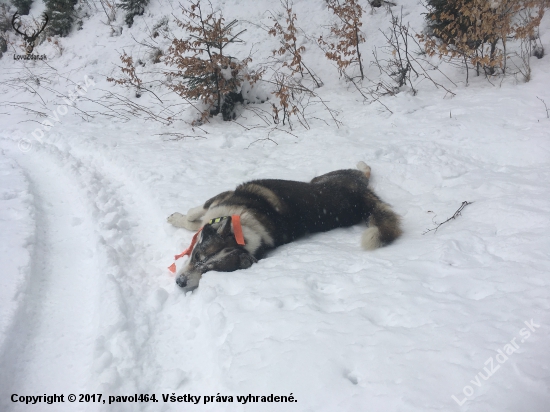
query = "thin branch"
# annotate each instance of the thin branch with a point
(261, 140)
(178, 136)
(456, 214)
(546, 107)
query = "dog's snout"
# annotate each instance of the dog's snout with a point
(181, 281)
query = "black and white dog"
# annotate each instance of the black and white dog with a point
(274, 212)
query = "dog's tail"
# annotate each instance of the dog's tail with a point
(384, 225)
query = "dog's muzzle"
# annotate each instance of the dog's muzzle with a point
(182, 281)
(189, 280)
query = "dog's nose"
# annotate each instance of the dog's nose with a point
(181, 281)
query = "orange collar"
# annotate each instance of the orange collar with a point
(237, 231)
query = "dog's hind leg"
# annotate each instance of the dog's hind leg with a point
(217, 199)
(346, 176)
(362, 166)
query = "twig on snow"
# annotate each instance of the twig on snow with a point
(179, 136)
(456, 214)
(263, 140)
(546, 107)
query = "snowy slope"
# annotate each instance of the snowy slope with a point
(87, 305)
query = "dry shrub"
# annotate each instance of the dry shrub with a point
(131, 79)
(344, 49)
(477, 31)
(290, 52)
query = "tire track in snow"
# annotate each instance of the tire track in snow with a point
(17, 227)
(131, 296)
(158, 341)
(50, 346)
(115, 327)
(123, 322)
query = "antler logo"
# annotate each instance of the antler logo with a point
(29, 39)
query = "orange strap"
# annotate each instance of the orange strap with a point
(191, 246)
(237, 231)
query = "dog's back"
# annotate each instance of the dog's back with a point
(291, 209)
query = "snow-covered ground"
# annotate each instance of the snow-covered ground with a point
(456, 320)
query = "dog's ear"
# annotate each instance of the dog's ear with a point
(224, 229)
(207, 231)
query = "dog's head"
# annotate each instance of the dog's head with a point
(216, 249)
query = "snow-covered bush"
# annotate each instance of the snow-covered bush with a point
(133, 8)
(61, 16)
(23, 6)
(5, 25)
(203, 69)
(3, 45)
(477, 32)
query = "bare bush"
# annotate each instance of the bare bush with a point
(401, 62)
(109, 8)
(296, 100)
(130, 79)
(287, 35)
(343, 47)
(530, 45)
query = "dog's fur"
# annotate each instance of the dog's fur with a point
(275, 212)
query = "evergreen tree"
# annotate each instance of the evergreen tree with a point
(445, 21)
(23, 6)
(204, 68)
(5, 19)
(5, 25)
(61, 14)
(3, 46)
(133, 8)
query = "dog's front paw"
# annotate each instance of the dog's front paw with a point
(176, 219)
(246, 260)
(179, 220)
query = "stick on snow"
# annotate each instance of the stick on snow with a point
(457, 213)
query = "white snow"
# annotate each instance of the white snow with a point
(17, 228)
(87, 304)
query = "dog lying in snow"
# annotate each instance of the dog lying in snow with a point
(238, 227)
